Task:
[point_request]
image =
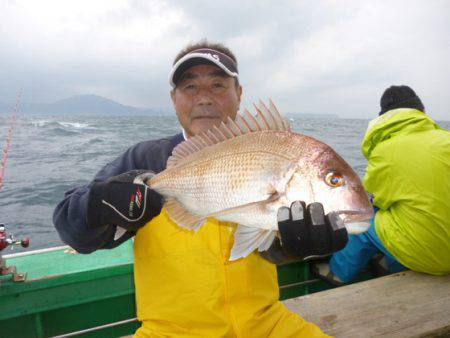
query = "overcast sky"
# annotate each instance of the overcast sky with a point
(309, 56)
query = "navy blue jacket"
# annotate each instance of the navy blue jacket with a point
(69, 216)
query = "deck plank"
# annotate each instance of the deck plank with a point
(406, 304)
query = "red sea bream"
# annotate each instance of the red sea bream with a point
(244, 170)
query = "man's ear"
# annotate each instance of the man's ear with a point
(172, 96)
(239, 93)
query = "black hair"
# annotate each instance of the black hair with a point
(205, 44)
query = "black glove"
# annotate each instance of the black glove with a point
(306, 232)
(124, 201)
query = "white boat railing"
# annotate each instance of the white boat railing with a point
(38, 251)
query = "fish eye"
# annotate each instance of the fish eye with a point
(333, 179)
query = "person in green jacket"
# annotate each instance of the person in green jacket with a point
(408, 174)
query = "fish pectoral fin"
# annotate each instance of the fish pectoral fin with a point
(182, 216)
(248, 239)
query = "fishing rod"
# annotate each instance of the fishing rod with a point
(5, 239)
(9, 137)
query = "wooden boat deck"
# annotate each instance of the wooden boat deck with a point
(406, 304)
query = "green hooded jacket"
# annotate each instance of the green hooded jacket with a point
(408, 173)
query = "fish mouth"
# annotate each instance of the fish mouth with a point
(355, 215)
(356, 221)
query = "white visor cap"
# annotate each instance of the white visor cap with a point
(203, 56)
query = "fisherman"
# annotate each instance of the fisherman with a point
(185, 284)
(408, 174)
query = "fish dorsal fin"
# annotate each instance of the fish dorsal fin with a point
(266, 118)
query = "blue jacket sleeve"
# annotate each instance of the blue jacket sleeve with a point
(70, 214)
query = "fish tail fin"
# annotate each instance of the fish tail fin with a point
(182, 216)
(248, 239)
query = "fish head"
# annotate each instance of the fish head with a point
(325, 177)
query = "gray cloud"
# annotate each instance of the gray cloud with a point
(311, 57)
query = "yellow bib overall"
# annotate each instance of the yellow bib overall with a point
(187, 287)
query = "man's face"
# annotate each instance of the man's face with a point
(205, 96)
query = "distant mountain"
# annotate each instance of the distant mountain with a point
(98, 105)
(82, 105)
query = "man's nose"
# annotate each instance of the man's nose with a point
(204, 97)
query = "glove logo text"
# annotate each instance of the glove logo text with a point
(136, 199)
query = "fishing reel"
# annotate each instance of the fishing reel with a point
(6, 241)
(10, 241)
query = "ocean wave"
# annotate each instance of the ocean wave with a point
(61, 132)
(94, 141)
(70, 125)
(41, 123)
(76, 125)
